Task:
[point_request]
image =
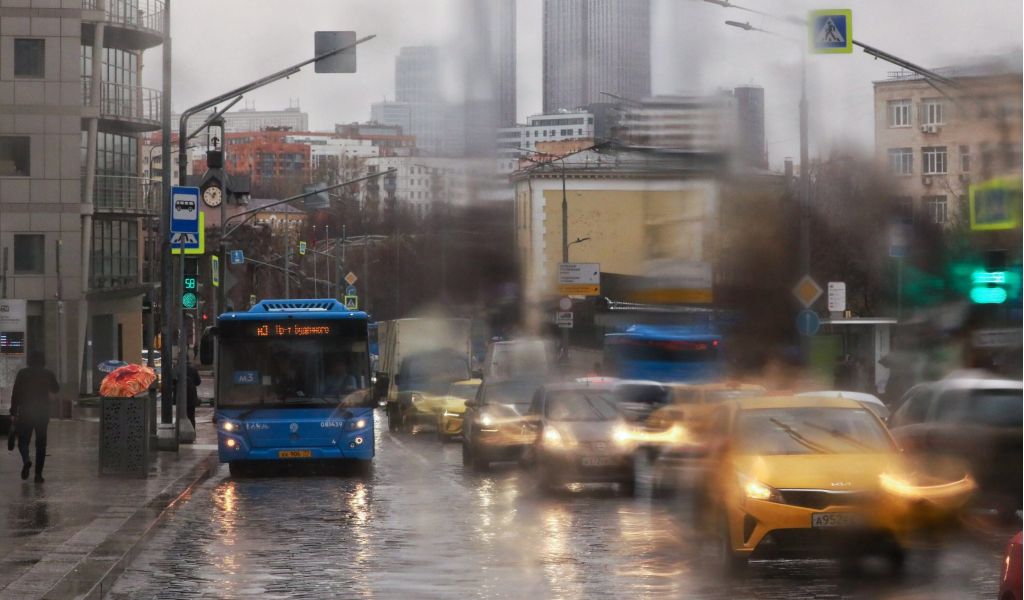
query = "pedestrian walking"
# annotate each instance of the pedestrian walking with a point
(192, 381)
(30, 407)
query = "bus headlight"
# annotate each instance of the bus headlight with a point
(230, 443)
(358, 424)
(228, 426)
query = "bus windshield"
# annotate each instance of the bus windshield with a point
(293, 371)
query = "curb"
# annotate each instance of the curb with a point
(143, 524)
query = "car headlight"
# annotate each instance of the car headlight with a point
(486, 420)
(755, 490)
(622, 436)
(414, 398)
(553, 438)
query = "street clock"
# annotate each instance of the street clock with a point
(213, 196)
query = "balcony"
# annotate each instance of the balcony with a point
(121, 194)
(130, 24)
(124, 108)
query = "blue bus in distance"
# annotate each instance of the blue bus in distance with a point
(666, 353)
(293, 384)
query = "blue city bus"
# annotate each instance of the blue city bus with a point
(668, 353)
(293, 384)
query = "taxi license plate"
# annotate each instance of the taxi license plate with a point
(294, 453)
(836, 519)
(597, 461)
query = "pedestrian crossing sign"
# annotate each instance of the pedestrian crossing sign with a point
(351, 303)
(831, 31)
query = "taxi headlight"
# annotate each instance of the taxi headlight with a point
(755, 490)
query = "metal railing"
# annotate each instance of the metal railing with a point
(124, 193)
(126, 102)
(140, 14)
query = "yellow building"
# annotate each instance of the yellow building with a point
(640, 220)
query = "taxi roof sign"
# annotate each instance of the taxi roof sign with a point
(831, 31)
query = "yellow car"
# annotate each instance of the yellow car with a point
(450, 408)
(692, 405)
(813, 477)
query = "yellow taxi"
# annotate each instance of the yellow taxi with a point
(451, 407)
(692, 404)
(816, 477)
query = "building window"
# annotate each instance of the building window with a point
(29, 254)
(29, 57)
(905, 208)
(901, 161)
(935, 207)
(965, 159)
(933, 160)
(899, 113)
(931, 112)
(115, 253)
(14, 155)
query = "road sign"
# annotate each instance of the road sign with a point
(807, 291)
(215, 270)
(237, 257)
(831, 31)
(195, 243)
(351, 278)
(342, 62)
(995, 204)
(302, 248)
(252, 300)
(565, 304)
(564, 319)
(351, 290)
(352, 302)
(184, 209)
(807, 322)
(579, 279)
(836, 296)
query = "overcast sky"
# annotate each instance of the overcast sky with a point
(222, 44)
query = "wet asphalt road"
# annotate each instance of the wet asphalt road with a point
(421, 527)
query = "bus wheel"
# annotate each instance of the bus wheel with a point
(363, 469)
(239, 469)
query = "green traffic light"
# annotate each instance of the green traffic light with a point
(988, 295)
(189, 300)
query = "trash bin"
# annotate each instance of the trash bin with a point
(124, 436)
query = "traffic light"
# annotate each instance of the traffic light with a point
(992, 283)
(190, 284)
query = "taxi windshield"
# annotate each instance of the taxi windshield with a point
(810, 430)
(579, 406)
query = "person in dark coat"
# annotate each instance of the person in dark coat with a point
(30, 406)
(192, 381)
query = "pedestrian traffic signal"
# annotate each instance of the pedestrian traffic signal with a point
(190, 284)
(189, 300)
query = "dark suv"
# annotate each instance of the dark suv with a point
(493, 427)
(971, 423)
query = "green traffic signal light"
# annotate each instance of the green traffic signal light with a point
(189, 300)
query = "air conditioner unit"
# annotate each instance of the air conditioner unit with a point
(930, 128)
(926, 180)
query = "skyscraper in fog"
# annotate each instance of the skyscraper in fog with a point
(418, 74)
(750, 125)
(594, 46)
(505, 54)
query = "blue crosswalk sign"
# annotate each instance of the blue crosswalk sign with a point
(237, 257)
(831, 31)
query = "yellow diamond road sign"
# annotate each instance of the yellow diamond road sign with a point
(351, 278)
(807, 291)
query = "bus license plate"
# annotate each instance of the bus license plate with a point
(294, 453)
(836, 519)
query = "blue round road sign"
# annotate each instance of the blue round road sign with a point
(807, 322)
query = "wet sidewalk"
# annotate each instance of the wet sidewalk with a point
(72, 535)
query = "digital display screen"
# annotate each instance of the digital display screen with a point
(190, 283)
(12, 342)
(268, 330)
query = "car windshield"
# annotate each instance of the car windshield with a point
(638, 393)
(810, 430)
(466, 391)
(996, 408)
(579, 406)
(517, 393)
(441, 366)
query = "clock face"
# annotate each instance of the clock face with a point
(212, 196)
